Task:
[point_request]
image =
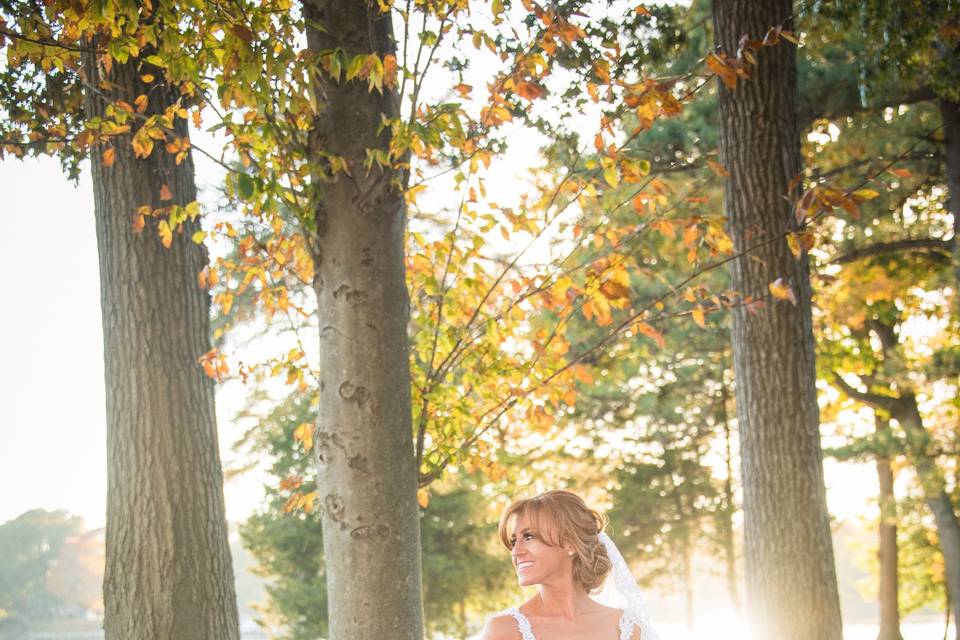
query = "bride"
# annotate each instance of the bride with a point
(557, 542)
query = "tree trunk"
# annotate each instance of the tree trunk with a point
(168, 566)
(789, 569)
(688, 581)
(729, 497)
(889, 603)
(950, 115)
(367, 477)
(906, 412)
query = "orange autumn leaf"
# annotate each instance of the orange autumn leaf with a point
(423, 497)
(290, 483)
(612, 290)
(723, 69)
(109, 155)
(650, 332)
(165, 193)
(718, 168)
(530, 90)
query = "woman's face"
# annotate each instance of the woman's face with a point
(535, 561)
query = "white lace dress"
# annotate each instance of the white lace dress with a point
(627, 623)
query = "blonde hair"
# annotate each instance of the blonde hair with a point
(562, 517)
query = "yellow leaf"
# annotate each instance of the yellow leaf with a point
(789, 37)
(147, 78)
(166, 233)
(304, 435)
(719, 240)
(611, 175)
(865, 194)
(423, 497)
(782, 291)
(794, 244)
(699, 317)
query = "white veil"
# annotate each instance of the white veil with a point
(620, 590)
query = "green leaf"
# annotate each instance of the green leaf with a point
(245, 186)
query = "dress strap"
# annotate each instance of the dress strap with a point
(526, 632)
(627, 622)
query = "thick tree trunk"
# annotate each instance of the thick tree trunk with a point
(367, 478)
(168, 567)
(950, 116)
(889, 603)
(789, 569)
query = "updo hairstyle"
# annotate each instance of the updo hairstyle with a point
(562, 517)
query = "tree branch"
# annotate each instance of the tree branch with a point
(875, 400)
(938, 249)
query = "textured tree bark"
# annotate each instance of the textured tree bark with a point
(789, 568)
(950, 115)
(168, 567)
(367, 477)
(887, 553)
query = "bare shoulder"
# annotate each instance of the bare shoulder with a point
(501, 627)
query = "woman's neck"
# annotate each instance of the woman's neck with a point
(565, 599)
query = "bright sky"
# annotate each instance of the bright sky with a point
(52, 431)
(52, 442)
(52, 417)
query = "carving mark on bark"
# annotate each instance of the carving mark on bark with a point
(359, 463)
(358, 394)
(323, 443)
(351, 295)
(334, 506)
(370, 531)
